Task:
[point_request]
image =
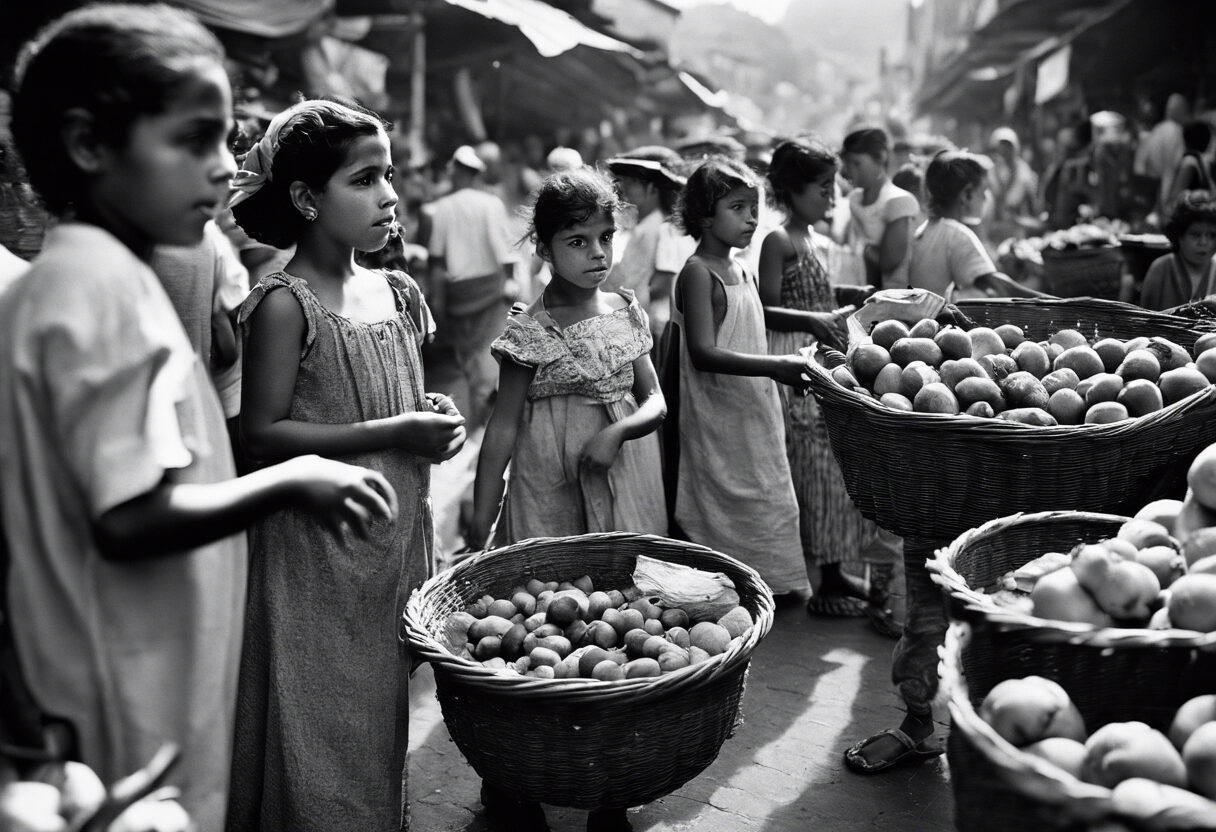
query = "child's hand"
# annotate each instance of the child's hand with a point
(347, 496)
(829, 328)
(601, 450)
(791, 370)
(443, 403)
(435, 436)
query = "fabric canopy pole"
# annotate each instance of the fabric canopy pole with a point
(417, 134)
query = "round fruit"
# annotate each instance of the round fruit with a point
(544, 657)
(591, 659)
(1105, 413)
(488, 648)
(608, 671)
(1112, 352)
(896, 402)
(952, 372)
(886, 333)
(1201, 477)
(866, 360)
(1032, 358)
(1081, 360)
(501, 608)
(1206, 364)
(673, 618)
(972, 390)
(954, 342)
(936, 398)
(710, 637)
(888, 380)
(1192, 603)
(643, 669)
(1069, 338)
(1104, 387)
(1067, 406)
(998, 365)
(985, 341)
(1204, 343)
(1176, 385)
(1140, 364)
(562, 611)
(1011, 335)
(907, 350)
(924, 328)
(1060, 379)
(1141, 397)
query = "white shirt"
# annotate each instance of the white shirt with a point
(946, 251)
(869, 223)
(469, 231)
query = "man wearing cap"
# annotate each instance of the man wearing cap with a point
(656, 251)
(470, 252)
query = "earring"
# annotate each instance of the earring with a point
(310, 215)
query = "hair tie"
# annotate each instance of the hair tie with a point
(259, 161)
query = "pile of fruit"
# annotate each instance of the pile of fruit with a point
(986, 372)
(1152, 775)
(551, 630)
(1159, 571)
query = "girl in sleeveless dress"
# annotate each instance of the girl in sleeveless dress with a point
(799, 300)
(734, 490)
(577, 408)
(331, 367)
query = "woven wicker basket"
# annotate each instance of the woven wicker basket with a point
(998, 788)
(577, 742)
(1083, 272)
(935, 476)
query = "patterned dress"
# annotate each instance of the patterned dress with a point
(583, 382)
(323, 705)
(833, 530)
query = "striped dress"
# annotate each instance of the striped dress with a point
(833, 530)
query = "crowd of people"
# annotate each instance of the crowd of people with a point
(223, 386)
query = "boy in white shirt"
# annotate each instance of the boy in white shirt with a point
(947, 256)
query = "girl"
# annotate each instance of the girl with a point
(1193, 172)
(881, 213)
(578, 397)
(734, 492)
(126, 580)
(578, 405)
(1189, 273)
(798, 300)
(331, 367)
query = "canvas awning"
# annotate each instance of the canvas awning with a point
(262, 18)
(551, 30)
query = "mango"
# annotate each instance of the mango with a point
(547, 629)
(502, 609)
(567, 668)
(998, 366)
(865, 360)
(679, 636)
(534, 587)
(1011, 335)
(491, 625)
(924, 328)
(653, 646)
(1140, 364)
(895, 401)
(1190, 715)
(972, 390)
(477, 609)
(542, 656)
(1112, 351)
(1103, 387)
(710, 637)
(1143, 533)
(1167, 563)
(631, 619)
(1060, 379)
(1122, 588)
(1192, 517)
(981, 410)
(1192, 603)
(585, 584)
(1206, 364)
(1068, 338)
(736, 622)
(1177, 384)
(674, 617)
(886, 333)
(1201, 478)
(696, 655)
(952, 372)
(522, 665)
(1169, 355)
(533, 621)
(1105, 413)
(577, 635)
(496, 663)
(608, 671)
(597, 604)
(954, 343)
(543, 673)
(1033, 416)
(1140, 797)
(1022, 389)
(512, 644)
(1163, 512)
(615, 619)
(643, 669)
(985, 341)
(1122, 750)
(543, 599)
(634, 641)
(563, 611)
(1032, 358)
(1067, 406)
(670, 660)
(888, 380)
(1199, 545)
(1160, 620)
(601, 634)
(488, 647)
(935, 398)
(558, 644)
(1141, 397)
(1064, 753)
(907, 350)
(591, 658)
(915, 376)
(845, 378)
(1203, 566)
(1081, 360)
(1025, 711)
(616, 598)
(653, 626)
(1059, 596)
(1204, 343)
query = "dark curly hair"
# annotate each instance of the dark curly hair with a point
(567, 198)
(1194, 207)
(797, 163)
(117, 62)
(312, 146)
(950, 173)
(714, 179)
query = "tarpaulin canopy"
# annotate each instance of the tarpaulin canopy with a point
(263, 18)
(552, 31)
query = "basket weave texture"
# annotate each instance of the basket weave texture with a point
(999, 788)
(1083, 272)
(579, 742)
(935, 476)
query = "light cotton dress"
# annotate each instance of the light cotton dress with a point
(833, 530)
(101, 398)
(735, 493)
(322, 717)
(583, 382)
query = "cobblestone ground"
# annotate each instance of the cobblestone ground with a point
(815, 687)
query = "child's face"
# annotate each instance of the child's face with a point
(172, 174)
(862, 169)
(816, 199)
(973, 198)
(356, 207)
(582, 253)
(638, 193)
(1197, 244)
(734, 219)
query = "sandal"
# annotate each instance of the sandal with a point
(835, 606)
(911, 751)
(883, 622)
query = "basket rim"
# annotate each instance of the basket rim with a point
(472, 672)
(828, 390)
(942, 571)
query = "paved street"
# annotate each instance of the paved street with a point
(816, 686)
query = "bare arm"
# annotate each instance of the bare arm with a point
(276, 334)
(894, 245)
(176, 517)
(602, 449)
(778, 250)
(1006, 286)
(696, 287)
(497, 447)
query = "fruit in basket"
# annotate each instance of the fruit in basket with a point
(679, 636)
(888, 380)
(953, 372)
(845, 378)
(1160, 620)
(896, 402)
(654, 646)
(1203, 566)
(1193, 713)
(1170, 355)
(1164, 512)
(1141, 397)
(1011, 335)
(488, 648)
(1166, 562)
(1105, 413)
(865, 360)
(1142, 533)
(501, 609)
(1067, 406)
(1123, 588)
(1177, 384)
(972, 390)
(642, 669)
(1068, 338)
(710, 637)
(1062, 752)
(1103, 387)
(935, 398)
(1192, 603)
(736, 622)
(491, 625)
(512, 643)
(1112, 351)
(670, 660)
(915, 376)
(1081, 360)
(543, 656)
(1158, 806)
(1034, 416)
(1024, 711)
(597, 604)
(886, 333)
(985, 341)
(1032, 358)
(1022, 389)
(982, 410)
(924, 328)
(1204, 343)
(1062, 379)
(608, 671)
(1054, 351)
(1206, 364)
(998, 366)
(906, 350)
(954, 343)
(1199, 545)
(1142, 364)
(585, 584)
(1201, 478)
(1059, 596)
(563, 611)
(1122, 750)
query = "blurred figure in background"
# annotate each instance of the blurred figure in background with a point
(1067, 185)
(1194, 172)
(1162, 149)
(1188, 273)
(882, 213)
(1013, 183)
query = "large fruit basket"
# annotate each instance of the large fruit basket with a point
(578, 742)
(934, 476)
(1084, 272)
(999, 788)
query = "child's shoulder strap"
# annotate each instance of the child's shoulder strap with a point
(309, 305)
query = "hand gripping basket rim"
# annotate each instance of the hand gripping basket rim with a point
(942, 571)
(505, 683)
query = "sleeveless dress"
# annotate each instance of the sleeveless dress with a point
(322, 710)
(583, 383)
(734, 492)
(833, 530)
